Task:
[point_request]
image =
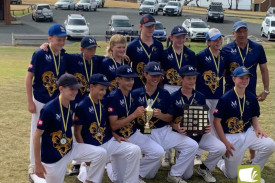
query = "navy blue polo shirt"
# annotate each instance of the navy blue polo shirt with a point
(179, 100)
(137, 54)
(76, 67)
(162, 100)
(85, 116)
(45, 76)
(254, 56)
(52, 150)
(170, 66)
(120, 106)
(228, 110)
(108, 68)
(210, 81)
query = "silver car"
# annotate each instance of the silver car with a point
(65, 4)
(42, 12)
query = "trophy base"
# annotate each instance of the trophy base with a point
(147, 131)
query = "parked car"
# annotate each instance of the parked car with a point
(87, 5)
(196, 28)
(65, 4)
(173, 8)
(270, 11)
(215, 12)
(268, 28)
(120, 24)
(16, 1)
(162, 3)
(42, 12)
(149, 6)
(100, 3)
(159, 32)
(76, 26)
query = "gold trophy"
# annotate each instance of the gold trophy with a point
(148, 116)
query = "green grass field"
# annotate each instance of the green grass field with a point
(15, 118)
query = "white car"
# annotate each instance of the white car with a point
(268, 28)
(173, 8)
(162, 3)
(100, 3)
(88, 5)
(76, 26)
(196, 28)
(65, 4)
(149, 7)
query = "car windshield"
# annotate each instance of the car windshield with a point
(272, 23)
(85, 1)
(273, 11)
(159, 26)
(148, 3)
(42, 7)
(164, 1)
(63, 1)
(172, 3)
(76, 22)
(216, 8)
(198, 25)
(121, 23)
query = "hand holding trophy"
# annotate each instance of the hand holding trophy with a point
(148, 115)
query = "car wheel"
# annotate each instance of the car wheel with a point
(164, 14)
(207, 19)
(95, 9)
(268, 36)
(90, 9)
(156, 12)
(140, 13)
(68, 37)
(221, 21)
(69, 7)
(32, 17)
(102, 5)
(35, 19)
(51, 19)
(262, 32)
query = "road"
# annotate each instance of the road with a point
(99, 23)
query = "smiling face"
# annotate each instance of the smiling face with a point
(57, 43)
(152, 80)
(188, 82)
(241, 35)
(241, 81)
(178, 41)
(216, 44)
(125, 83)
(88, 53)
(68, 93)
(98, 91)
(118, 50)
(147, 31)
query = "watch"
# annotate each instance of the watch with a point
(267, 92)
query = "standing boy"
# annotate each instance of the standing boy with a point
(54, 135)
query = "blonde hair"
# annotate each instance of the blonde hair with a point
(115, 39)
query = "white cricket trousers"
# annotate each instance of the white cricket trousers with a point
(34, 120)
(84, 152)
(125, 161)
(152, 153)
(215, 147)
(185, 146)
(212, 103)
(241, 142)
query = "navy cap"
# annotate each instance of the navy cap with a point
(188, 70)
(68, 80)
(241, 71)
(126, 71)
(99, 79)
(57, 30)
(238, 25)
(88, 42)
(153, 68)
(213, 34)
(178, 30)
(147, 20)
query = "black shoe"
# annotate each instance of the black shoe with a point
(74, 170)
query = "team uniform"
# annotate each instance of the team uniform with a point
(162, 132)
(171, 63)
(108, 68)
(240, 132)
(124, 157)
(206, 141)
(250, 57)
(82, 70)
(210, 80)
(122, 106)
(140, 54)
(47, 68)
(58, 148)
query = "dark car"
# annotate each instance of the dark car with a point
(215, 12)
(160, 32)
(16, 1)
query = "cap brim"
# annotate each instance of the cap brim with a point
(243, 74)
(102, 83)
(91, 46)
(149, 23)
(128, 76)
(236, 29)
(216, 37)
(190, 74)
(155, 73)
(61, 35)
(179, 34)
(76, 86)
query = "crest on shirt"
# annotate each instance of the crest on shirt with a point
(141, 100)
(140, 70)
(58, 145)
(112, 68)
(48, 57)
(178, 103)
(234, 104)
(233, 50)
(57, 116)
(208, 59)
(91, 109)
(97, 132)
(211, 80)
(173, 76)
(140, 50)
(235, 125)
(49, 82)
(233, 66)
(82, 80)
(170, 57)
(122, 102)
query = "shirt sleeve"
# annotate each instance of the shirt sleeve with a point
(44, 119)
(262, 59)
(79, 115)
(255, 108)
(111, 105)
(35, 59)
(220, 108)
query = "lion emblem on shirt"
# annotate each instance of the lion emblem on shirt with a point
(211, 80)
(173, 77)
(61, 148)
(98, 134)
(235, 125)
(49, 82)
(140, 70)
(82, 80)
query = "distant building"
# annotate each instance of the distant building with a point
(5, 11)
